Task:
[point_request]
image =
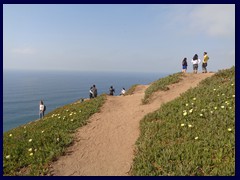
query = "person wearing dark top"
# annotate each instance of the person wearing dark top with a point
(184, 65)
(111, 91)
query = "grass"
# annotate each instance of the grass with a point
(161, 84)
(193, 135)
(28, 149)
(131, 89)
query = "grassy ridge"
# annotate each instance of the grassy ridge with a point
(161, 84)
(192, 135)
(131, 89)
(28, 149)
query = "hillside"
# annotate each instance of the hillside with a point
(106, 145)
(178, 125)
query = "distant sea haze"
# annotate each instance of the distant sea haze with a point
(22, 90)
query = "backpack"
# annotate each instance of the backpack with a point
(44, 108)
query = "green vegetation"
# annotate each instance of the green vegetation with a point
(193, 135)
(28, 150)
(161, 84)
(131, 89)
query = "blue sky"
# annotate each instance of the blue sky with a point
(131, 38)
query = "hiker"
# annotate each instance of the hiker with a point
(123, 91)
(94, 89)
(204, 63)
(91, 92)
(195, 62)
(111, 91)
(42, 109)
(184, 65)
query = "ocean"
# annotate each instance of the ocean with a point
(22, 90)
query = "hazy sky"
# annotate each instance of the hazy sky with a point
(135, 38)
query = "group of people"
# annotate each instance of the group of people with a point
(93, 91)
(195, 61)
(92, 94)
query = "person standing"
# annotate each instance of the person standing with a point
(184, 65)
(111, 91)
(204, 63)
(41, 109)
(94, 89)
(91, 93)
(195, 62)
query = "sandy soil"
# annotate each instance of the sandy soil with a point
(105, 146)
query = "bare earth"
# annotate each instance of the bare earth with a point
(105, 146)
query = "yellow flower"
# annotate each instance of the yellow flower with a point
(192, 103)
(185, 113)
(30, 149)
(30, 140)
(229, 129)
(10, 135)
(196, 138)
(222, 107)
(215, 108)
(80, 111)
(233, 95)
(230, 107)
(211, 112)
(191, 110)
(232, 84)
(190, 125)
(42, 131)
(187, 104)
(8, 156)
(201, 115)
(57, 139)
(30, 154)
(214, 89)
(182, 125)
(223, 94)
(194, 99)
(71, 119)
(35, 150)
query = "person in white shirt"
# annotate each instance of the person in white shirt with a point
(41, 109)
(195, 62)
(123, 92)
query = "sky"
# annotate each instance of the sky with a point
(119, 38)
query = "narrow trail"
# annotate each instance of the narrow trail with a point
(105, 146)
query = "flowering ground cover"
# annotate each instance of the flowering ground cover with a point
(28, 149)
(193, 135)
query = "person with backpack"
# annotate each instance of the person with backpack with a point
(204, 63)
(195, 62)
(42, 109)
(111, 91)
(184, 65)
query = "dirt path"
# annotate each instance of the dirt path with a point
(105, 146)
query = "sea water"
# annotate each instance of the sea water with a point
(22, 90)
